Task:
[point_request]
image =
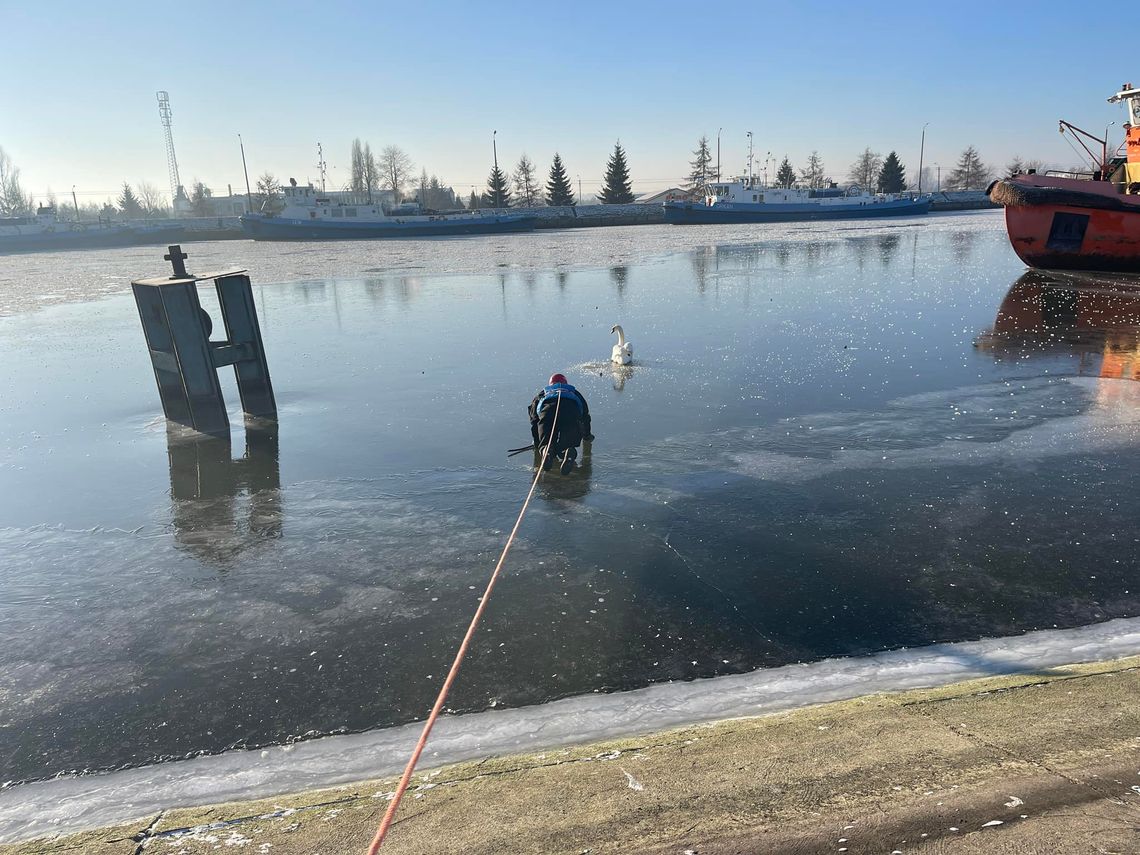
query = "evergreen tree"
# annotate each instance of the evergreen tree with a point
(865, 169)
(473, 202)
(785, 176)
(812, 174)
(498, 191)
(526, 182)
(970, 173)
(558, 191)
(129, 203)
(1016, 167)
(703, 170)
(892, 177)
(616, 187)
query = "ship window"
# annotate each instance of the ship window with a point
(312, 215)
(753, 197)
(350, 212)
(337, 212)
(1067, 232)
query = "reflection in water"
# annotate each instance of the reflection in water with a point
(620, 275)
(699, 258)
(1097, 320)
(888, 246)
(205, 486)
(962, 245)
(620, 374)
(576, 485)
(562, 277)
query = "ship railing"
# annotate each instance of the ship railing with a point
(1069, 173)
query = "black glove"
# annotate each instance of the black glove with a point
(589, 437)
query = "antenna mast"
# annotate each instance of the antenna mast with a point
(171, 161)
(321, 165)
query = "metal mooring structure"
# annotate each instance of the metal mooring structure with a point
(186, 360)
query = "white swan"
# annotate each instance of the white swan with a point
(623, 350)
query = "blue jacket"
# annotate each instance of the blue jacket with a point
(570, 395)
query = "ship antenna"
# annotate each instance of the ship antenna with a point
(248, 195)
(321, 165)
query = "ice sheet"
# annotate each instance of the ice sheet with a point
(72, 804)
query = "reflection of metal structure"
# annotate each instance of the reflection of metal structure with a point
(1096, 320)
(186, 361)
(205, 485)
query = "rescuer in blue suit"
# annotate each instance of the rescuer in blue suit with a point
(571, 427)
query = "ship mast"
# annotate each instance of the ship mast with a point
(750, 158)
(321, 165)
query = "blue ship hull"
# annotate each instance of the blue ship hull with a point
(264, 227)
(689, 213)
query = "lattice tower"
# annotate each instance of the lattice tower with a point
(171, 161)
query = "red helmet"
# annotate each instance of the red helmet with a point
(558, 378)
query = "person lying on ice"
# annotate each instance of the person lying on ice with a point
(573, 423)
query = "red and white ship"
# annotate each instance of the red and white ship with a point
(1080, 222)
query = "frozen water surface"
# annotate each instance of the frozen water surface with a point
(831, 445)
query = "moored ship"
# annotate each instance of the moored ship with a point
(310, 214)
(1080, 222)
(746, 200)
(45, 231)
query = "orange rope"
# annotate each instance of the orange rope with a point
(406, 778)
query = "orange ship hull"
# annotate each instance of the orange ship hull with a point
(1069, 224)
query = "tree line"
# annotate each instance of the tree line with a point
(870, 170)
(394, 171)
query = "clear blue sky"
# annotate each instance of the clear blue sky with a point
(78, 101)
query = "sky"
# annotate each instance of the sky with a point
(78, 104)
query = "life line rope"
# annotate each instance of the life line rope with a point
(409, 770)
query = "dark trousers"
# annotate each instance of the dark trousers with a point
(567, 432)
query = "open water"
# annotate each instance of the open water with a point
(824, 449)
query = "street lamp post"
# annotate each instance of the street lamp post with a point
(75, 202)
(718, 130)
(495, 153)
(938, 166)
(750, 158)
(921, 151)
(579, 189)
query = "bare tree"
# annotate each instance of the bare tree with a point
(526, 183)
(1018, 166)
(395, 169)
(369, 171)
(153, 202)
(13, 202)
(200, 196)
(267, 184)
(812, 174)
(357, 166)
(866, 168)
